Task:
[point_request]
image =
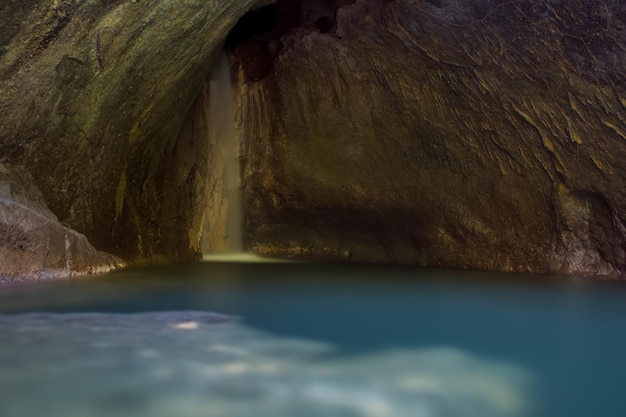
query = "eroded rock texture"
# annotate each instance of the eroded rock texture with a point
(478, 134)
(33, 244)
(482, 134)
(93, 95)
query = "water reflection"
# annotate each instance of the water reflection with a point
(204, 364)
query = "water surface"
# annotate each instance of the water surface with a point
(229, 339)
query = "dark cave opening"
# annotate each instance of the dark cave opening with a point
(254, 23)
(255, 40)
(265, 23)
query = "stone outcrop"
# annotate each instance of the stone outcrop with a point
(93, 95)
(474, 134)
(33, 244)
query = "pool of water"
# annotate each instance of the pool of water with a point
(281, 340)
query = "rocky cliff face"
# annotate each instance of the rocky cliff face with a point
(475, 134)
(480, 134)
(93, 95)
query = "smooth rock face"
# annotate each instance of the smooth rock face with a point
(93, 95)
(33, 244)
(472, 134)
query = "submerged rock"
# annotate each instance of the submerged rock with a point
(444, 133)
(33, 244)
(147, 365)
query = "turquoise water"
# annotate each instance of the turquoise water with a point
(222, 339)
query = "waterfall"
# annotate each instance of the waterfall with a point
(223, 228)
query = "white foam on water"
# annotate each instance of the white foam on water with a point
(159, 364)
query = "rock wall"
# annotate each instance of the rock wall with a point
(484, 134)
(475, 134)
(93, 98)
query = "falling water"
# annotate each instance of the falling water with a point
(223, 230)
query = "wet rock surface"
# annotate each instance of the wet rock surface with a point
(33, 244)
(481, 134)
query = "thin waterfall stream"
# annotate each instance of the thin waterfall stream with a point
(223, 230)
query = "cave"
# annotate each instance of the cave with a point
(482, 136)
(278, 208)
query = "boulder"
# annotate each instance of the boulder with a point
(34, 245)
